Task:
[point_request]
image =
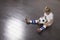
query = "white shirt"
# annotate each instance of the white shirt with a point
(49, 17)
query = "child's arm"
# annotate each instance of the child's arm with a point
(49, 22)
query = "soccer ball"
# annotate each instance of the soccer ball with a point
(42, 20)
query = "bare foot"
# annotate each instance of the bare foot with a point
(38, 30)
(27, 20)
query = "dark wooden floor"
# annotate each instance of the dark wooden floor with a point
(13, 13)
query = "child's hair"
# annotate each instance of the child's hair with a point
(47, 9)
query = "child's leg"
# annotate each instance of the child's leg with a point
(43, 27)
(34, 21)
(28, 21)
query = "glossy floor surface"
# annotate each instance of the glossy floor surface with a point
(12, 19)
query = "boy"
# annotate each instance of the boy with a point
(48, 16)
